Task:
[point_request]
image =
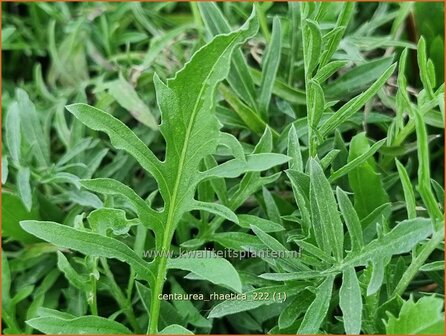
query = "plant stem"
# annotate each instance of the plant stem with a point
(160, 275)
(416, 263)
(93, 300)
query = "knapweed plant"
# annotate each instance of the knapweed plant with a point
(231, 168)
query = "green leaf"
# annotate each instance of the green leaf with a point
(423, 66)
(317, 102)
(6, 280)
(239, 76)
(350, 302)
(365, 182)
(295, 309)
(424, 185)
(88, 243)
(238, 241)
(253, 299)
(159, 43)
(422, 317)
(216, 209)
(315, 251)
(108, 186)
(294, 150)
(355, 104)
(270, 65)
(334, 37)
(78, 325)
(300, 194)
(318, 309)
(401, 239)
(328, 70)
(281, 89)
(79, 281)
(377, 277)
(104, 219)
(327, 225)
(357, 78)
(5, 169)
(251, 119)
(254, 163)
(358, 161)
(312, 39)
(13, 211)
(231, 142)
(265, 225)
(24, 187)
(13, 133)
(175, 329)
(268, 240)
(187, 309)
(120, 135)
(433, 266)
(127, 97)
(31, 127)
(351, 220)
(209, 266)
(409, 194)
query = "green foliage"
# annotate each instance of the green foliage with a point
(422, 317)
(222, 168)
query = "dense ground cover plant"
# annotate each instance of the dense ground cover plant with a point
(281, 161)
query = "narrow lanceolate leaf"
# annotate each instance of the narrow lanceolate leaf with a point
(88, 243)
(79, 325)
(357, 161)
(409, 194)
(351, 220)
(317, 102)
(269, 68)
(350, 302)
(294, 150)
(317, 311)
(127, 97)
(337, 32)
(31, 127)
(239, 76)
(354, 105)
(216, 209)
(269, 295)
(377, 276)
(424, 185)
(329, 69)
(326, 222)
(24, 187)
(209, 266)
(120, 135)
(77, 280)
(312, 39)
(253, 163)
(13, 134)
(358, 78)
(422, 63)
(401, 239)
(265, 225)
